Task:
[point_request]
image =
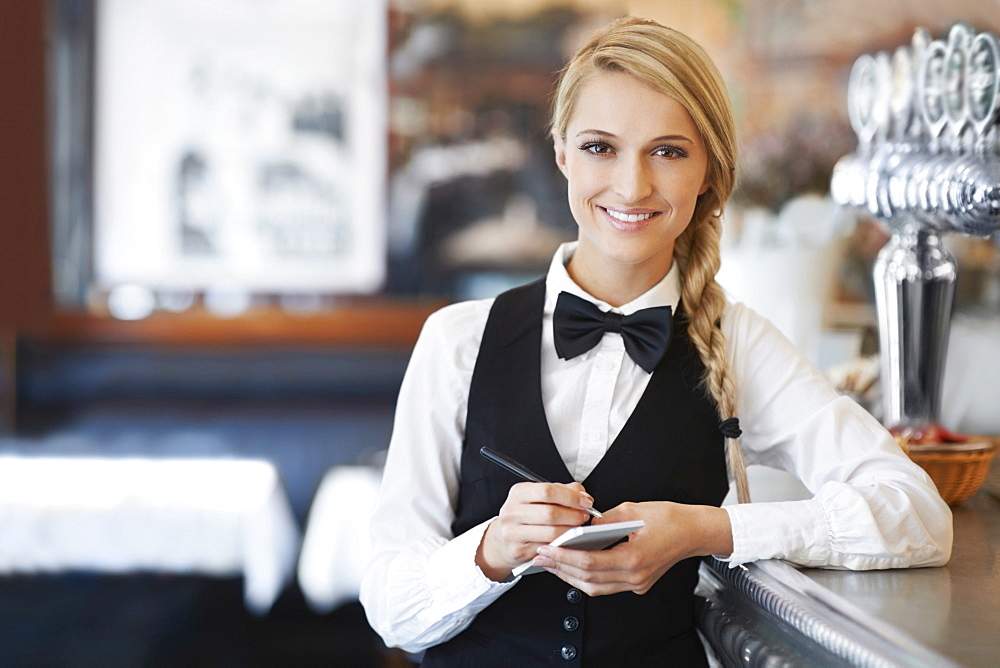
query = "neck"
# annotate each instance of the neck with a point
(616, 284)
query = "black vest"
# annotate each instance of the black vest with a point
(670, 449)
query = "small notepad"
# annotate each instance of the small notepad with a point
(589, 537)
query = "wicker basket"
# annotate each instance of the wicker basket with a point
(959, 472)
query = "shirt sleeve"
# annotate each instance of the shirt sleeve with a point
(872, 507)
(422, 586)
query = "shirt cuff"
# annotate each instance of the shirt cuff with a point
(797, 531)
(455, 563)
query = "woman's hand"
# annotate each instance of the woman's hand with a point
(673, 532)
(535, 514)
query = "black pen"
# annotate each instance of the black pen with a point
(519, 469)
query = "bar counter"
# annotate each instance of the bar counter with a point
(954, 610)
(773, 614)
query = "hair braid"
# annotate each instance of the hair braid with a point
(697, 255)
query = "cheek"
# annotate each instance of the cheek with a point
(686, 190)
(584, 184)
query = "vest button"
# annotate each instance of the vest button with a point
(571, 623)
(568, 652)
(574, 595)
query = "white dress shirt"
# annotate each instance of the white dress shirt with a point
(873, 508)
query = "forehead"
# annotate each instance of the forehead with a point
(619, 103)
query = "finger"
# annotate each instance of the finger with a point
(535, 535)
(537, 505)
(621, 513)
(571, 495)
(584, 564)
(543, 515)
(589, 583)
(590, 572)
(512, 543)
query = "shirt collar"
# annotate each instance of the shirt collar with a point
(667, 292)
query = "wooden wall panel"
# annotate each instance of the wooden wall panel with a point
(25, 284)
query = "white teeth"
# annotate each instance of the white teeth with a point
(629, 218)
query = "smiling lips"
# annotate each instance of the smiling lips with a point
(629, 222)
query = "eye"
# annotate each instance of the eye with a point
(596, 148)
(670, 152)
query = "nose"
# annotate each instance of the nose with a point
(632, 181)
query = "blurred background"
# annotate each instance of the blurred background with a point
(224, 223)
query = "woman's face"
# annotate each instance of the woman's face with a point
(635, 164)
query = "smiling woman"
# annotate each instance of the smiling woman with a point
(640, 422)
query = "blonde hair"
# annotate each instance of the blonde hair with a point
(674, 64)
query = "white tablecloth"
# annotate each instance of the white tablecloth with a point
(337, 546)
(199, 516)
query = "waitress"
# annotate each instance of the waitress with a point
(625, 376)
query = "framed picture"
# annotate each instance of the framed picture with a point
(239, 144)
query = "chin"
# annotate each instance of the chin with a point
(631, 257)
(634, 250)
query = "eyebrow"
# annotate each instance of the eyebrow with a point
(602, 133)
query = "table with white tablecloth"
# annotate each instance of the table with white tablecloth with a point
(337, 547)
(214, 517)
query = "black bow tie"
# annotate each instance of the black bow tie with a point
(578, 326)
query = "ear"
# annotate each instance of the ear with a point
(559, 144)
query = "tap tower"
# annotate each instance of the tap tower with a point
(927, 162)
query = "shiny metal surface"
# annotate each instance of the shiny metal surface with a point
(927, 162)
(926, 120)
(771, 614)
(954, 610)
(914, 286)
